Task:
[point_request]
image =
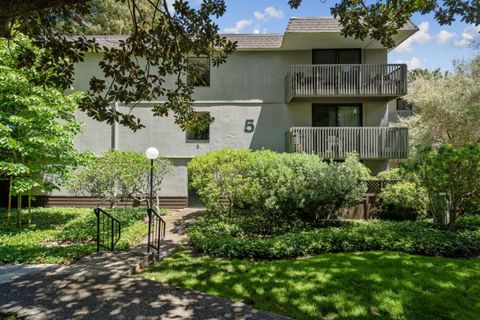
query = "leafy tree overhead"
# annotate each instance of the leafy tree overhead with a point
(381, 20)
(160, 39)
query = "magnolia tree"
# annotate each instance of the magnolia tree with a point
(120, 176)
(448, 107)
(37, 127)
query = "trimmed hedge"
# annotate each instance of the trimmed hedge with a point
(225, 238)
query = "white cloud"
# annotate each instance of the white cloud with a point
(274, 13)
(468, 36)
(267, 13)
(412, 63)
(258, 15)
(258, 31)
(421, 36)
(444, 36)
(239, 26)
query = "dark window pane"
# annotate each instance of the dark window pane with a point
(198, 72)
(349, 56)
(327, 56)
(199, 134)
(324, 116)
(336, 56)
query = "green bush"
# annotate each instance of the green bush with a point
(225, 238)
(221, 178)
(119, 175)
(454, 171)
(401, 201)
(277, 185)
(391, 174)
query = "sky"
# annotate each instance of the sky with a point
(433, 46)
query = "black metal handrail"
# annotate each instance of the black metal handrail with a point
(156, 230)
(109, 230)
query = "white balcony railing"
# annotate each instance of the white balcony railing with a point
(346, 80)
(339, 142)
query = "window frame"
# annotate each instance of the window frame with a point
(187, 140)
(208, 72)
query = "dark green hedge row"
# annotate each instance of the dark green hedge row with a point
(224, 238)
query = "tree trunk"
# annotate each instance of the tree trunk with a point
(19, 210)
(29, 208)
(9, 208)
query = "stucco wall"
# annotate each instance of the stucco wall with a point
(249, 87)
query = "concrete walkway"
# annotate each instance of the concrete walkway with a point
(101, 287)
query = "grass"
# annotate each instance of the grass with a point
(362, 285)
(62, 235)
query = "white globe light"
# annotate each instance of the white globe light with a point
(152, 153)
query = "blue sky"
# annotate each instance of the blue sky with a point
(434, 46)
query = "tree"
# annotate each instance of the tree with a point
(381, 20)
(37, 127)
(455, 172)
(160, 38)
(110, 17)
(120, 176)
(448, 107)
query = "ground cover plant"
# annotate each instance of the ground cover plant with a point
(62, 235)
(235, 237)
(363, 285)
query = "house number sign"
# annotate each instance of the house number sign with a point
(249, 126)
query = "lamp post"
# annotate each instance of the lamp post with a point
(152, 154)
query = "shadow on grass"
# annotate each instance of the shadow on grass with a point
(367, 285)
(82, 292)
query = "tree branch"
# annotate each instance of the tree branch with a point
(13, 8)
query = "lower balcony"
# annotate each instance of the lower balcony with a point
(370, 143)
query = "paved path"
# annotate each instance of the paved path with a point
(101, 287)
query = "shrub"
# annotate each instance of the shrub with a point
(225, 238)
(221, 178)
(119, 175)
(455, 171)
(391, 174)
(402, 201)
(278, 185)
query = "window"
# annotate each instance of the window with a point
(336, 56)
(198, 71)
(196, 135)
(336, 115)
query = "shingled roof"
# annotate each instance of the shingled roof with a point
(253, 41)
(265, 41)
(244, 41)
(324, 24)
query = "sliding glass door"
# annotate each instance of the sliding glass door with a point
(336, 115)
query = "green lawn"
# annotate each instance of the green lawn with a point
(364, 285)
(62, 235)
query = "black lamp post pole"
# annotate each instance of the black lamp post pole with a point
(151, 183)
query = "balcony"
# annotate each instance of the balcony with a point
(370, 143)
(346, 80)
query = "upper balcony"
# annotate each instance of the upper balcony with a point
(346, 80)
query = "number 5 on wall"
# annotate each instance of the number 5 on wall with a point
(249, 126)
